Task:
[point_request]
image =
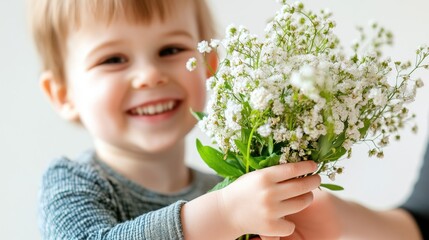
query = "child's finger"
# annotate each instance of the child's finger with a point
(296, 187)
(294, 205)
(281, 227)
(287, 171)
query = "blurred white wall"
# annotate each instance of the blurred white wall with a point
(31, 134)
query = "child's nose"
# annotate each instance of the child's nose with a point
(148, 78)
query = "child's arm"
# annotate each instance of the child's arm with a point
(255, 203)
(76, 203)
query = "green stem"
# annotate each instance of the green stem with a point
(321, 167)
(248, 147)
(244, 237)
(315, 30)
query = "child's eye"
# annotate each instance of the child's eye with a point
(114, 60)
(170, 51)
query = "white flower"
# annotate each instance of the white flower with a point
(191, 64)
(304, 84)
(203, 47)
(260, 98)
(353, 133)
(384, 141)
(231, 31)
(283, 158)
(379, 98)
(347, 144)
(241, 85)
(338, 127)
(278, 107)
(298, 133)
(305, 80)
(214, 43)
(265, 130)
(419, 83)
(210, 83)
(233, 115)
(279, 134)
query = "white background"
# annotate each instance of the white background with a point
(31, 134)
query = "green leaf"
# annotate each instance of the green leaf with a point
(270, 145)
(330, 150)
(235, 160)
(253, 163)
(223, 184)
(259, 145)
(324, 145)
(315, 156)
(198, 115)
(366, 125)
(214, 159)
(339, 140)
(245, 134)
(332, 187)
(339, 152)
(270, 161)
(334, 155)
(242, 147)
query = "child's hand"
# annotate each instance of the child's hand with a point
(258, 202)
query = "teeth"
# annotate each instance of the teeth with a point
(139, 111)
(154, 109)
(151, 110)
(159, 108)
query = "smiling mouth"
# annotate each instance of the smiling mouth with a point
(154, 109)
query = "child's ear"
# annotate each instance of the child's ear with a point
(58, 96)
(212, 62)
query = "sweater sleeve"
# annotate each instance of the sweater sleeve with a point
(75, 204)
(417, 204)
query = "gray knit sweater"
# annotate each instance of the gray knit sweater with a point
(85, 199)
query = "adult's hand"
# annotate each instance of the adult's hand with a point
(319, 221)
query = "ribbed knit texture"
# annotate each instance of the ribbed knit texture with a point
(85, 199)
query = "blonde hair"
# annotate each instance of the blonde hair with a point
(51, 20)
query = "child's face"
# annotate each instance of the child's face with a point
(129, 82)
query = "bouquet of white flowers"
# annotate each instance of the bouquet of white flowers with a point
(297, 95)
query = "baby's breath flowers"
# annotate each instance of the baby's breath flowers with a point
(297, 95)
(191, 64)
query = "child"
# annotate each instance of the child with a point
(117, 67)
